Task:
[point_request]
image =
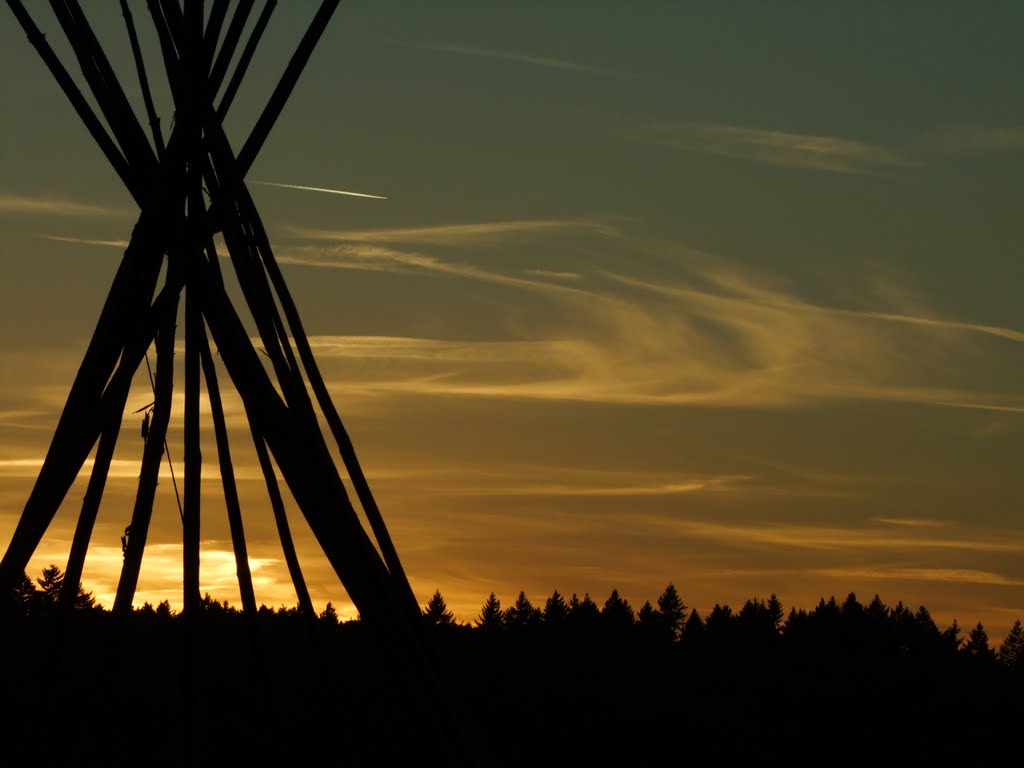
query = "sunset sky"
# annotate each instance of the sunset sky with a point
(722, 294)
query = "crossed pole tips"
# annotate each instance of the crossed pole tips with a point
(189, 186)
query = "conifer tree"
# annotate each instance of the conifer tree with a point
(50, 585)
(775, 611)
(719, 621)
(650, 621)
(584, 613)
(617, 612)
(951, 636)
(329, 614)
(522, 614)
(977, 644)
(491, 616)
(25, 592)
(437, 612)
(1011, 652)
(694, 627)
(555, 609)
(671, 611)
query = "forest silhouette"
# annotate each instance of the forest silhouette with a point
(570, 682)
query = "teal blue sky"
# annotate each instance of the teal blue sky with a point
(723, 294)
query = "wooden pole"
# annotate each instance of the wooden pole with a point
(227, 474)
(193, 453)
(80, 424)
(284, 532)
(341, 436)
(140, 68)
(112, 407)
(105, 86)
(153, 452)
(243, 61)
(285, 86)
(227, 48)
(106, 144)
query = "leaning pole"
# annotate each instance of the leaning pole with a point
(190, 185)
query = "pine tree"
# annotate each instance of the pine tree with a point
(672, 612)
(329, 615)
(694, 628)
(1011, 652)
(951, 636)
(719, 621)
(50, 586)
(437, 612)
(650, 621)
(617, 612)
(583, 614)
(522, 614)
(491, 616)
(977, 644)
(555, 610)
(775, 611)
(24, 592)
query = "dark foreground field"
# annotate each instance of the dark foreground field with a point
(283, 689)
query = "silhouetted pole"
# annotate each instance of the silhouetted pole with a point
(105, 86)
(173, 222)
(152, 456)
(193, 454)
(284, 533)
(228, 45)
(106, 144)
(227, 474)
(243, 61)
(140, 68)
(81, 420)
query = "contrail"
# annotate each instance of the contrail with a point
(319, 189)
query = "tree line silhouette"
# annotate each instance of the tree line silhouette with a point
(593, 681)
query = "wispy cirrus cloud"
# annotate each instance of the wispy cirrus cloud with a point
(941, 575)
(480, 233)
(555, 274)
(86, 241)
(912, 522)
(49, 206)
(774, 147)
(716, 336)
(404, 249)
(665, 488)
(836, 538)
(547, 62)
(124, 469)
(375, 258)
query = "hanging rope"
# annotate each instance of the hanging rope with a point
(167, 450)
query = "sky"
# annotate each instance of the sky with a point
(725, 295)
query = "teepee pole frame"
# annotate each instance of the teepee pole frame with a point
(173, 238)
